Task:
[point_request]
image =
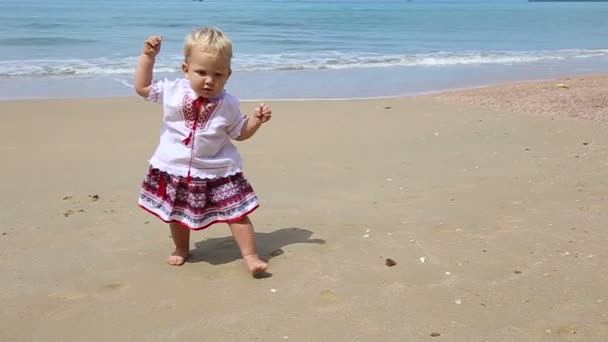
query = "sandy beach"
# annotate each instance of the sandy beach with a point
(492, 204)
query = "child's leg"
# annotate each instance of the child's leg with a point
(181, 238)
(245, 237)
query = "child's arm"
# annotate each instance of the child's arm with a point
(145, 66)
(261, 115)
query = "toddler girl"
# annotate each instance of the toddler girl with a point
(196, 176)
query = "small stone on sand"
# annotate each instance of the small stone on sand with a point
(390, 262)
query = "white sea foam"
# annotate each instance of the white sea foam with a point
(292, 61)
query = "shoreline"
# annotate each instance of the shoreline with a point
(579, 96)
(315, 99)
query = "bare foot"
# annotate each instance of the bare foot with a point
(178, 257)
(255, 264)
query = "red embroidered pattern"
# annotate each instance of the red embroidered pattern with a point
(189, 114)
(155, 92)
(199, 203)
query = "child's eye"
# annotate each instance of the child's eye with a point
(201, 72)
(218, 75)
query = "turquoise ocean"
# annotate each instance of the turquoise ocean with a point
(301, 49)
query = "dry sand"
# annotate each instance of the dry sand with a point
(496, 221)
(584, 97)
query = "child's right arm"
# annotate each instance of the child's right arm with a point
(145, 66)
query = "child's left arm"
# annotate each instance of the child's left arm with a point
(261, 115)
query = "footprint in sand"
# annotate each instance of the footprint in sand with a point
(63, 303)
(114, 286)
(70, 212)
(328, 298)
(67, 295)
(167, 305)
(370, 327)
(566, 329)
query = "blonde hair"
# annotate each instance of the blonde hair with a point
(211, 40)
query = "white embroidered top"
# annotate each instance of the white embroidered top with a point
(196, 144)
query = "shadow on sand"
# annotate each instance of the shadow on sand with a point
(217, 251)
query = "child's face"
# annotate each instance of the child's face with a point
(207, 72)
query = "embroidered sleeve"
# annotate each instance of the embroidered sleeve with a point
(156, 92)
(236, 120)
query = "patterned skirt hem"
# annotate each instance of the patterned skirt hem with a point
(185, 224)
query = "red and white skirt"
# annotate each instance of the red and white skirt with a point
(199, 203)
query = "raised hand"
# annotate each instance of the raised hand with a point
(263, 113)
(152, 46)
